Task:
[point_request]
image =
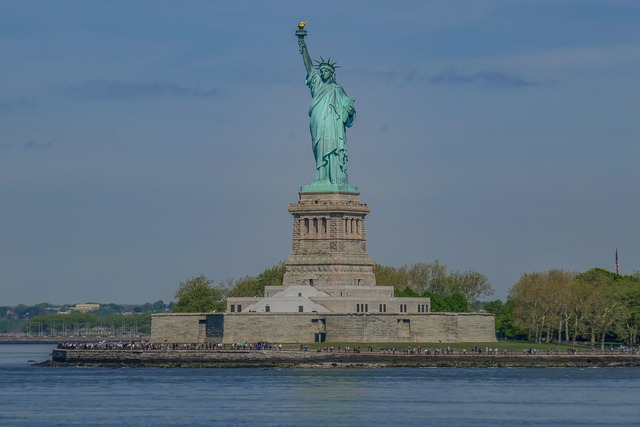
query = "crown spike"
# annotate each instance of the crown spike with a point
(326, 62)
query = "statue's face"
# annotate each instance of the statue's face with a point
(326, 73)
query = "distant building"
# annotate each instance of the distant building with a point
(85, 308)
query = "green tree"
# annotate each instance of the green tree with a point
(197, 295)
(107, 309)
(629, 329)
(248, 286)
(424, 276)
(471, 284)
(433, 278)
(406, 292)
(10, 325)
(390, 276)
(603, 307)
(273, 276)
(21, 311)
(543, 303)
(503, 313)
(532, 305)
(597, 305)
(438, 304)
(253, 286)
(452, 303)
(158, 306)
(225, 287)
(457, 302)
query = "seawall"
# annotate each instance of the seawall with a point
(301, 359)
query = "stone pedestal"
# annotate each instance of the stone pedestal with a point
(329, 241)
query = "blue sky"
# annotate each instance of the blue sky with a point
(146, 142)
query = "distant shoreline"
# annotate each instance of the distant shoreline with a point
(299, 359)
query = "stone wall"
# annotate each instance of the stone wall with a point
(308, 327)
(429, 327)
(179, 327)
(354, 305)
(286, 359)
(469, 327)
(272, 327)
(357, 291)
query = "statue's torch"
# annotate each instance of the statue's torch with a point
(301, 32)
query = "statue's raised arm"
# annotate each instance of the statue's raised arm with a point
(330, 113)
(306, 58)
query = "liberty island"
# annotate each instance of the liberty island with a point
(328, 292)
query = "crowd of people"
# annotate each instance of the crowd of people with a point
(148, 345)
(109, 345)
(265, 345)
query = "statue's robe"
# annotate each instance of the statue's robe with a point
(329, 119)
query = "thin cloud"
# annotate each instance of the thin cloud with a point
(406, 75)
(104, 89)
(34, 145)
(485, 78)
(31, 144)
(8, 106)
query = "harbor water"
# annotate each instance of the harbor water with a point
(72, 396)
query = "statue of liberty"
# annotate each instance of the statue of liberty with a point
(331, 113)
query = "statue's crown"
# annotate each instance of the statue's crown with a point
(327, 63)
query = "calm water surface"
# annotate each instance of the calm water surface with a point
(35, 396)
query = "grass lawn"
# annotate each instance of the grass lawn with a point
(508, 346)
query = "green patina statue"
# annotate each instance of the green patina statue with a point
(331, 113)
